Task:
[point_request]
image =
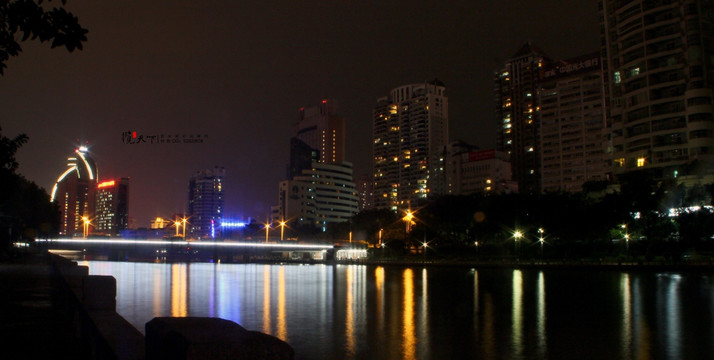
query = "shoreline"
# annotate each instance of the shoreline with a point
(699, 266)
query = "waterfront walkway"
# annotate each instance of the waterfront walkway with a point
(30, 325)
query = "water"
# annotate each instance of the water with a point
(374, 312)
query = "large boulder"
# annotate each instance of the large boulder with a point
(210, 338)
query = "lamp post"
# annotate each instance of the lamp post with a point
(184, 220)
(85, 229)
(282, 229)
(541, 240)
(517, 235)
(408, 220)
(380, 238)
(177, 224)
(267, 228)
(627, 239)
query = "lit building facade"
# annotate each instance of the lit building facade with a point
(658, 57)
(573, 131)
(321, 195)
(410, 131)
(515, 90)
(364, 184)
(322, 129)
(205, 203)
(112, 207)
(319, 188)
(74, 193)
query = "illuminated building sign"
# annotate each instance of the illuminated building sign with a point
(481, 155)
(571, 66)
(104, 184)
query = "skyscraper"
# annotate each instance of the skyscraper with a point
(319, 189)
(321, 195)
(74, 193)
(573, 131)
(658, 56)
(205, 202)
(516, 86)
(112, 207)
(322, 129)
(410, 132)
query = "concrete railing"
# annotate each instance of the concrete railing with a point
(89, 303)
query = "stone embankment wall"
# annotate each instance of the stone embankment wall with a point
(89, 303)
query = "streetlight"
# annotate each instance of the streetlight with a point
(184, 220)
(85, 231)
(627, 238)
(408, 220)
(425, 245)
(380, 238)
(517, 235)
(177, 224)
(282, 229)
(541, 240)
(267, 228)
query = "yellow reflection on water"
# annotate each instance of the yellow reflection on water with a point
(266, 299)
(349, 316)
(424, 317)
(517, 314)
(282, 322)
(157, 293)
(409, 338)
(379, 283)
(179, 289)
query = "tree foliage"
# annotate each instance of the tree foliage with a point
(28, 19)
(25, 208)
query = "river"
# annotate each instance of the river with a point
(391, 312)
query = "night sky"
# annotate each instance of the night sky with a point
(237, 72)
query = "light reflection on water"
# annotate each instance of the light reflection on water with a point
(355, 312)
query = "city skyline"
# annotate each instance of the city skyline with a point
(236, 75)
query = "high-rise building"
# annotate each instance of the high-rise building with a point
(112, 207)
(515, 90)
(74, 193)
(410, 130)
(573, 131)
(205, 203)
(658, 56)
(322, 129)
(364, 184)
(319, 189)
(321, 195)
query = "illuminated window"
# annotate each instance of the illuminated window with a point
(617, 77)
(620, 162)
(640, 162)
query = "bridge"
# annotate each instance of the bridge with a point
(188, 250)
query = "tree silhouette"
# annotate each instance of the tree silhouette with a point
(30, 20)
(25, 208)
